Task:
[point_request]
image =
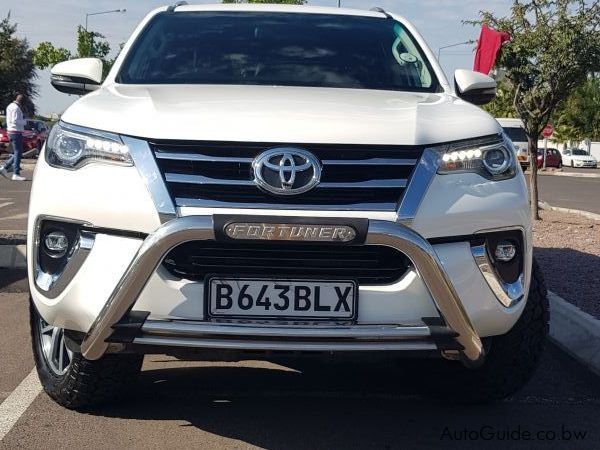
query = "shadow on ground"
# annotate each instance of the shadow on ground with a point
(351, 406)
(573, 275)
(13, 280)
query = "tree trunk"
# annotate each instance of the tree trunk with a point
(533, 186)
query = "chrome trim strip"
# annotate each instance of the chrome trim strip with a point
(508, 294)
(145, 163)
(191, 329)
(52, 285)
(363, 207)
(184, 229)
(368, 184)
(200, 157)
(327, 162)
(370, 162)
(421, 179)
(203, 180)
(334, 346)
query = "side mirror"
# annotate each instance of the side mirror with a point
(474, 87)
(77, 76)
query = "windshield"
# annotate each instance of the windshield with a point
(579, 152)
(287, 49)
(515, 134)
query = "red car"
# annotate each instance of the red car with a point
(34, 136)
(553, 158)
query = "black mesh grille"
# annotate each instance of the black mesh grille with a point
(368, 264)
(226, 172)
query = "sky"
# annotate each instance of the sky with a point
(439, 21)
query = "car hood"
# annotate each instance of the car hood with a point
(280, 114)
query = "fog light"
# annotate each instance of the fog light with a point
(56, 243)
(505, 251)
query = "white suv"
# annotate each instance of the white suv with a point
(267, 181)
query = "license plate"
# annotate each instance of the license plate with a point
(266, 298)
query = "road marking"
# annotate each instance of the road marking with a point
(16, 216)
(13, 407)
(2, 205)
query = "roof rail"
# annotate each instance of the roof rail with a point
(382, 11)
(175, 5)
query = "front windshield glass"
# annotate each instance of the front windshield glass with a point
(286, 49)
(579, 152)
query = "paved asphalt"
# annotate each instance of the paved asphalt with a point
(567, 192)
(252, 404)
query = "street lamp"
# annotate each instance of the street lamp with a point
(102, 12)
(452, 45)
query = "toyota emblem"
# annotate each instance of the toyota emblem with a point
(286, 171)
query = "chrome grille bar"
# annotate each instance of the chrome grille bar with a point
(200, 179)
(201, 157)
(220, 174)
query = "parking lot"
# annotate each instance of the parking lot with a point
(260, 405)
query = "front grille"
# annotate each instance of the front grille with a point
(219, 174)
(368, 264)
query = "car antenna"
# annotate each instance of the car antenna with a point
(382, 11)
(172, 7)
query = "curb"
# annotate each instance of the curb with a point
(13, 250)
(575, 332)
(587, 214)
(574, 174)
(13, 256)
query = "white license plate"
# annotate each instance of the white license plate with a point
(268, 298)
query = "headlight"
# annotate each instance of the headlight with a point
(495, 161)
(71, 147)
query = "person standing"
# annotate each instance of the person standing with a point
(15, 124)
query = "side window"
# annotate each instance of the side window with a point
(567, 152)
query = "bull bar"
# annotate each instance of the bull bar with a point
(456, 323)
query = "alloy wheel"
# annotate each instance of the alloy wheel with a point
(54, 347)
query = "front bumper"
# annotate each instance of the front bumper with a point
(455, 322)
(590, 164)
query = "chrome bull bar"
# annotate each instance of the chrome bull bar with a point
(184, 229)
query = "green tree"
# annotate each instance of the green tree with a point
(581, 111)
(90, 44)
(555, 45)
(17, 70)
(502, 106)
(282, 2)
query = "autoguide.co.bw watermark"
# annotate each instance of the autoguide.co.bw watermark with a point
(518, 433)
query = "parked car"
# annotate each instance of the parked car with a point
(513, 128)
(576, 157)
(553, 158)
(34, 136)
(264, 182)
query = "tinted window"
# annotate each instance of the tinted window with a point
(579, 152)
(286, 49)
(515, 134)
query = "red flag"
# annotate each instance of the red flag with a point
(488, 46)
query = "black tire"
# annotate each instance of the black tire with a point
(85, 383)
(572, 164)
(511, 360)
(559, 165)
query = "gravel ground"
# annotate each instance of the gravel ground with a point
(567, 247)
